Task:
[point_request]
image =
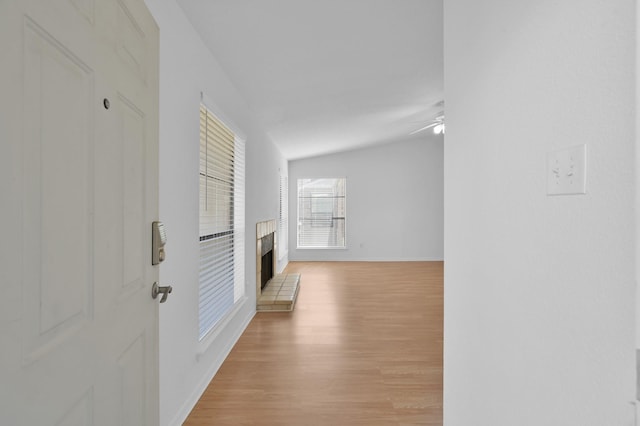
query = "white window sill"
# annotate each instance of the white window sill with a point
(211, 336)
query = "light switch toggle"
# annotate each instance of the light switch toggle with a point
(567, 171)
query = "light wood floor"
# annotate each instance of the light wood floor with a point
(362, 347)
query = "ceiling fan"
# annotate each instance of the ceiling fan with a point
(437, 123)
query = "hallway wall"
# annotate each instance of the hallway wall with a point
(187, 68)
(539, 290)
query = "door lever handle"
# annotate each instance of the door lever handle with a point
(164, 290)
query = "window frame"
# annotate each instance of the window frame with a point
(318, 222)
(236, 211)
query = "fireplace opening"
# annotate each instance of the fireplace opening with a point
(267, 260)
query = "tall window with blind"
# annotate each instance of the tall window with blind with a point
(221, 221)
(283, 219)
(322, 213)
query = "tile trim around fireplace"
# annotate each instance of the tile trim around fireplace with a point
(281, 292)
(262, 230)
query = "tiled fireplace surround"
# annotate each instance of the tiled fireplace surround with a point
(281, 291)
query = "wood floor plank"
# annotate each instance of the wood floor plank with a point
(362, 347)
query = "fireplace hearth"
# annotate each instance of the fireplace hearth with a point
(274, 292)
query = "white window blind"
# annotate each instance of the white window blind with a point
(221, 220)
(239, 225)
(322, 213)
(283, 222)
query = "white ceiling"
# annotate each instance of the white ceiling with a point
(329, 75)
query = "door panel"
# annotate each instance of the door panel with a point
(131, 377)
(86, 8)
(78, 184)
(131, 44)
(80, 413)
(132, 125)
(57, 197)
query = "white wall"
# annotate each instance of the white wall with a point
(186, 69)
(539, 291)
(394, 200)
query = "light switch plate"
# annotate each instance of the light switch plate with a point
(567, 171)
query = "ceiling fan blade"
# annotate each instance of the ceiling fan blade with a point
(424, 128)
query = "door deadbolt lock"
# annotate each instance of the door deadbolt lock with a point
(164, 290)
(158, 241)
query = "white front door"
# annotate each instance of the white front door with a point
(78, 193)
